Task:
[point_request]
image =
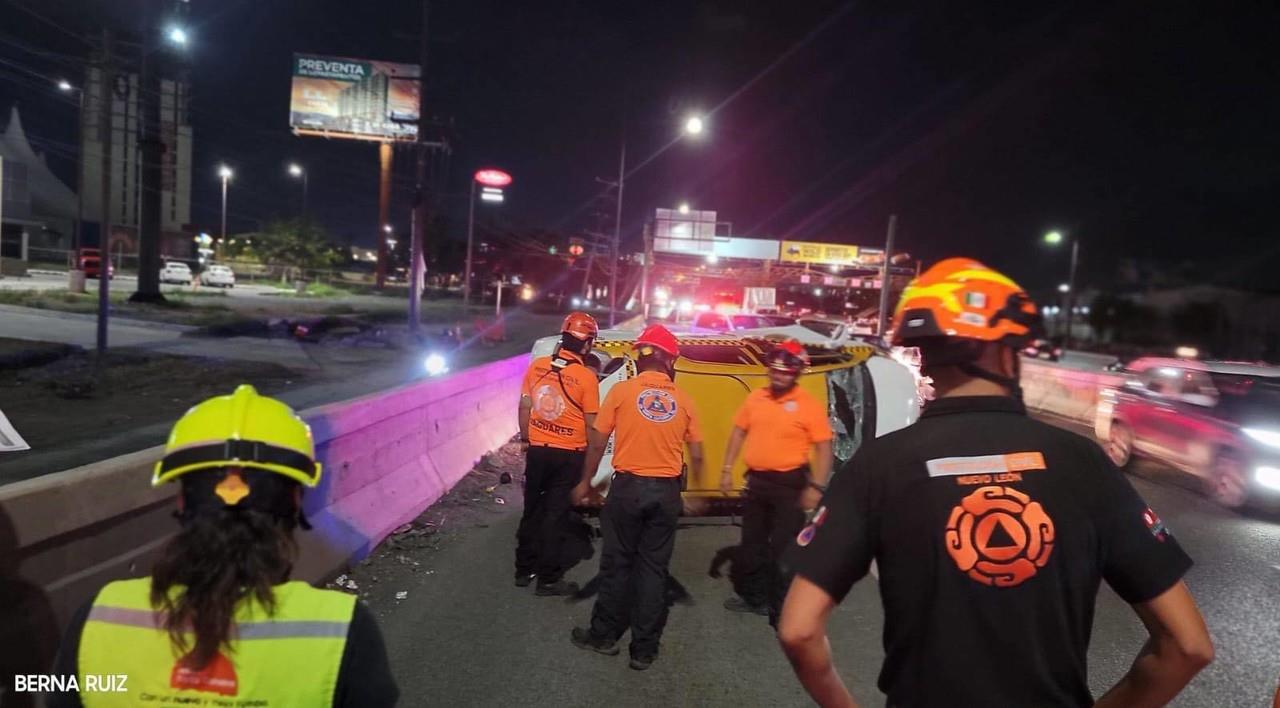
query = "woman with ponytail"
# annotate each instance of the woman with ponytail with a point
(219, 618)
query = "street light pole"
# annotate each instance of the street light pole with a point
(1053, 238)
(617, 236)
(471, 226)
(301, 173)
(225, 173)
(1071, 289)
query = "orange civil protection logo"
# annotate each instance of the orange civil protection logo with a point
(999, 536)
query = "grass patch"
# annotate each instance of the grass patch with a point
(61, 300)
(314, 290)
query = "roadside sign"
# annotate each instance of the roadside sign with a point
(10, 441)
(493, 178)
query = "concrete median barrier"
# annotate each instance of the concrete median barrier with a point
(386, 457)
(1063, 391)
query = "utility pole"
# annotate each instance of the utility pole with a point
(884, 277)
(420, 210)
(647, 268)
(617, 237)
(471, 227)
(106, 99)
(152, 153)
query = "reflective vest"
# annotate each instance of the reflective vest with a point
(290, 658)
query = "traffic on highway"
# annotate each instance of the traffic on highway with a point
(638, 354)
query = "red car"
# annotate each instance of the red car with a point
(91, 264)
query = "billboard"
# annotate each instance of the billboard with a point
(338, 97)
(818, 253)
(675, 231)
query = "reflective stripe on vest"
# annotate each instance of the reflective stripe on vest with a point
(290, 658)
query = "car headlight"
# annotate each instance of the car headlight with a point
(1268, 477)
(435, 364)
(1270, 438)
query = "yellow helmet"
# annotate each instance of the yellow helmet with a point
(241, 430)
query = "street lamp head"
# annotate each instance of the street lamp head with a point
(295, 169)
(694, 125)
(64, 85)
(1064, 288)
(386, 228)
(713, 258)
(225, 172)
(178, 36)
(1053, 238)
(684, 207)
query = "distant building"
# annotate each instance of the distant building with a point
(126, 164)
(38, 210)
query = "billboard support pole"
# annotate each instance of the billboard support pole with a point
(884, 276)
(420, 211)
(384, 210)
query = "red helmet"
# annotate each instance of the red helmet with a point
(788, 356)
(580, 325)
(658, 337)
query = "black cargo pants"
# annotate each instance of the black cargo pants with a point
(550, 474)
(770, 521)
(639, 524)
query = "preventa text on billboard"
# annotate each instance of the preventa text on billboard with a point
(342, 97)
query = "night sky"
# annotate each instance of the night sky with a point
(1148, 130)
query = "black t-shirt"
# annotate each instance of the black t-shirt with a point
(991, 533)
(364, 676)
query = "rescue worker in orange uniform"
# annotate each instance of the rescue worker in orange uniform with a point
(991, 532)
(558, 404)
(652, 421)
(780, 427)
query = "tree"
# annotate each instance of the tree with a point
(295, 244)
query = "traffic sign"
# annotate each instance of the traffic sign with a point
(10, 441)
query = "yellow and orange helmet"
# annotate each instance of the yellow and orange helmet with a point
(962, 298)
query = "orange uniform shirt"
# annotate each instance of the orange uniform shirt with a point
(781, 430)
(555, 420)
(652, 420)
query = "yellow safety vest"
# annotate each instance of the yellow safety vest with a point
(290, 658)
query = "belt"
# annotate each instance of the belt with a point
(794, 470)
(633, 475)
(561, 449)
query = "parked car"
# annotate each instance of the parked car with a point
(91, 263)
(219, 276)
(176, 272)
(866, 392)
(1219, 421)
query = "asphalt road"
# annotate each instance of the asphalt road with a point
(464, 636)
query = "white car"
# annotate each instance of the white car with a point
(175, 272)
(218, 276)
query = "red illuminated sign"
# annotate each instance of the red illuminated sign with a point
(493, 178)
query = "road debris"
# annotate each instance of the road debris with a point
(402, 594)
